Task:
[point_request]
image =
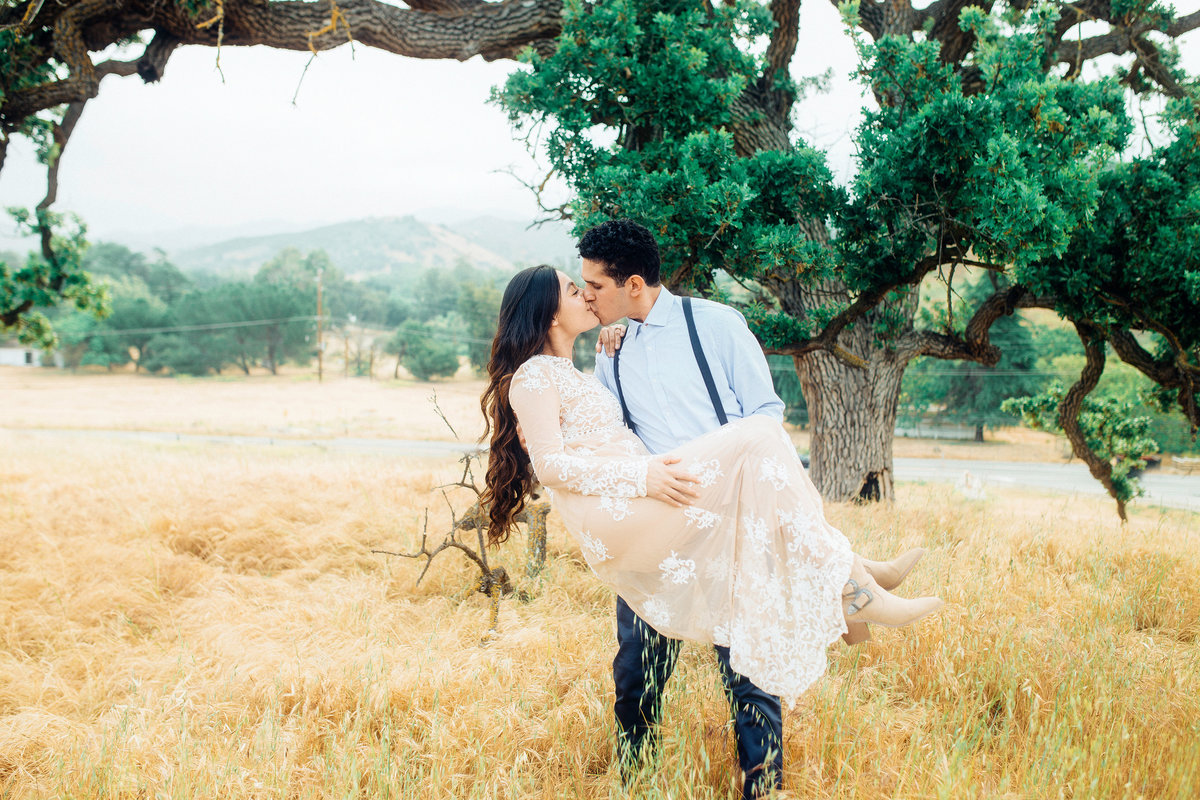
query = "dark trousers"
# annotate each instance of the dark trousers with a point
(641, 668)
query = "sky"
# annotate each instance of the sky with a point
(369, 134)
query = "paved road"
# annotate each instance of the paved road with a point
(1174, 491)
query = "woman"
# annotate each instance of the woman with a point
(730, 547)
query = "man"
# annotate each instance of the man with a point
(668, 404)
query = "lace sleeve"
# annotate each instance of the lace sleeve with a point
(538, 405)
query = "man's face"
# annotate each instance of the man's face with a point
(606, 300)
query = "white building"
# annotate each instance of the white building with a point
(14, 354)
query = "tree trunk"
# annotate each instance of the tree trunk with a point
(852, 412)
(851, 408)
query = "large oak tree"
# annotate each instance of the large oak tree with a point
(988, 149)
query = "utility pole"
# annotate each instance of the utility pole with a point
(320, 341)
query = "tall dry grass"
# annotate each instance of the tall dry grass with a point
(210, 622)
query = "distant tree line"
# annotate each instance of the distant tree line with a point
(163, 320)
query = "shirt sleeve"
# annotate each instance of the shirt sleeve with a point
(749, 375)
(538, 406)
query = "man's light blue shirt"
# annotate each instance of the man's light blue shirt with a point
(664, 389)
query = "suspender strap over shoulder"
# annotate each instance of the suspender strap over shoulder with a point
(702, 362)
(621, 394)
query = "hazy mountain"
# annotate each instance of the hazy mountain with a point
(392, 246)
(550, 243)
(174, 240)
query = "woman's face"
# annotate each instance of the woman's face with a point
(573, 315)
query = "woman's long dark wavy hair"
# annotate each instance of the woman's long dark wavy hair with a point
(529, 305)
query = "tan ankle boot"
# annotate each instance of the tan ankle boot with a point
(890, 574)
(865, 601)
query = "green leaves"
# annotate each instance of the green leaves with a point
(43, 282)
(1007, 172)
(639, 104)
(1132, 266)
(1113, 431)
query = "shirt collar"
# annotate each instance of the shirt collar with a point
(660, 312)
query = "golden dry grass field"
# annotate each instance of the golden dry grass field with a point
(206, 621)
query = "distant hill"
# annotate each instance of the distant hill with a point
(394, 247)
(550, 243)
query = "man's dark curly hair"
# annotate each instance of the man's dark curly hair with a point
(624, 248)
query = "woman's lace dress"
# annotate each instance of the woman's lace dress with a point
(752, 564)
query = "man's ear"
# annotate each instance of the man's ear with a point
(636, 285)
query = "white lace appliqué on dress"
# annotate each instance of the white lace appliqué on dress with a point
(657, 613)
(717, 569)
(678, 570)
(593, 549)
(706, 471)
(565, 455)
(701, 518)
(617, 507)
(774, 473)
(758, 535)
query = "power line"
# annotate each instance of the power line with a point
(207, 327)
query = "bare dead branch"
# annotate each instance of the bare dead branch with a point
(493, 581)
(434, 399)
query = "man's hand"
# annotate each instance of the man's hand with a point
(521, 438)
(610, 339)
(670, 484)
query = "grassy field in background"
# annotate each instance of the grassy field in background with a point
(294, 405)
(197, 621)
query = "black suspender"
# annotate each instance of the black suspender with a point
(701, 362)
(620, 394)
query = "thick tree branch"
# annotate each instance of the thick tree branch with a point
(956, 43)
(870, 15)
(492, 30)
(84, 82)
(865, 302)
(458, 29)
(1072, 404)
(1166, 374)
(1084, 11)
(1120, 40)
(974, 344)
(786, 14)
(451, 7)
(1184, 25)
(1132, 353)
